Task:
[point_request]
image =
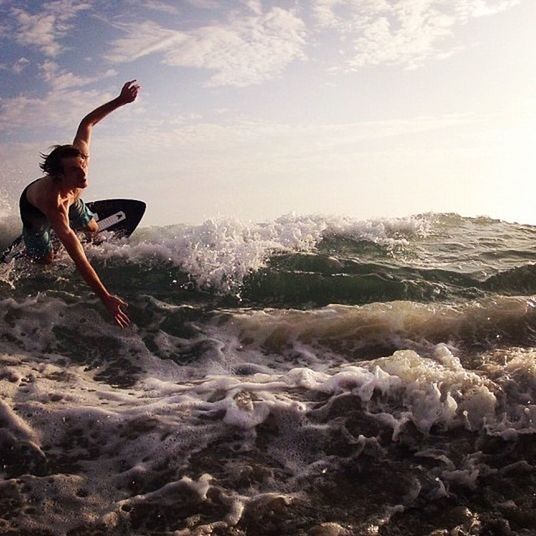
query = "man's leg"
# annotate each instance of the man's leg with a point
(92, 228)
(82, 219)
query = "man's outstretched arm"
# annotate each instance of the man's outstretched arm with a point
(128, 94)
(60, 223)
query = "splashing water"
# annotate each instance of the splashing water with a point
(308, 375)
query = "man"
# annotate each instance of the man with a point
(53, 202)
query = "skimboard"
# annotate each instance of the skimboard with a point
(118, 217)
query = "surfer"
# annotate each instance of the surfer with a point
(53, 202)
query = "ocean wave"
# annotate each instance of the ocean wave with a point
(244, 437)
(219, 254)
(211, 419)
(311, 261)
(187, 334)
(358, 332)
(518, 280)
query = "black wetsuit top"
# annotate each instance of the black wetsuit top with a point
(30, 215)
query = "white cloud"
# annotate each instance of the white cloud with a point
(4, 30)
(60, 79)
(142, 39)
(467, 9)
(204, 4)
(157, 5)
(20, 65)
(37, 30)
(171, 8)
(400, 32)
(346, 15)
(59, 108)
(45, 29)
(244, 51)
(200, 141)
(254, 5)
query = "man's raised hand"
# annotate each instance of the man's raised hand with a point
(129, 92)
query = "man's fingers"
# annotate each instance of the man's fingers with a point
(121, 317)
(130, 90)
(122, 320)
(114, 305)
(129, 93)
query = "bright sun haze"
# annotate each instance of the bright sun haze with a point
(254, 109)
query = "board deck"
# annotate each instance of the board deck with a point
(120, 217)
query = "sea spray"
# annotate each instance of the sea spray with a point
(219, 254)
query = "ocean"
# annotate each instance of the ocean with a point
(307, 376)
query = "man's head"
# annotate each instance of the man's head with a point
(66, 163)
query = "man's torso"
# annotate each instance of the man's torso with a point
(44, 193)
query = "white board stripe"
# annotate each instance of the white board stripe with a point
(111, 220)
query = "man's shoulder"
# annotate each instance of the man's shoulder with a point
(46, 195)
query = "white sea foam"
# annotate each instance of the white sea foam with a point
(240, 411)
(157, 420)
(220, 253)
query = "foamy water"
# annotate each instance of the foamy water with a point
(309, 375)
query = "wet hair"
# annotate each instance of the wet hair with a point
(52, 163)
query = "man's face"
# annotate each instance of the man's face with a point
(75, 171)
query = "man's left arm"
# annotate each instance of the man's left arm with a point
(82, 139)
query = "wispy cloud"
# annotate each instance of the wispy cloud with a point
(45, 29)
(203, 4)
(156, 5)
(466, 9)
(20, 65)
(400, 32)
(59, 108)
(60, 79)
(242, 51)
(4, 29)
(207, 143)
(254, 5)
(142, 39)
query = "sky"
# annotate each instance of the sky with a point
(253, 109)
